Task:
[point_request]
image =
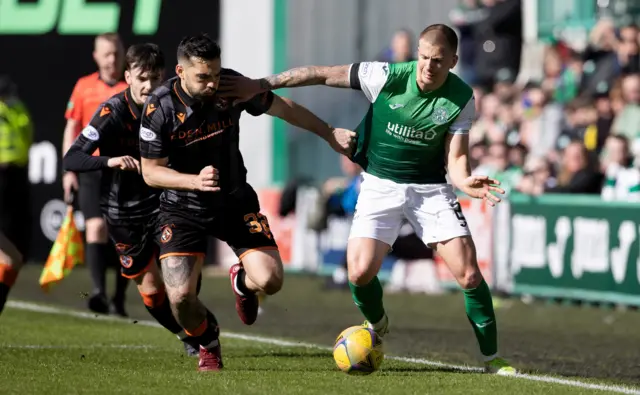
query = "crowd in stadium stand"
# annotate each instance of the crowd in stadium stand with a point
(575, 130)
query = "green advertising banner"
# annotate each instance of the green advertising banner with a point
(575, 247)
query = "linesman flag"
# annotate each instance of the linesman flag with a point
(67, 251)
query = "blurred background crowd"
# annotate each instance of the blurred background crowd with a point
(574, 130)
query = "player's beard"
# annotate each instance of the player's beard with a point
(200, 96)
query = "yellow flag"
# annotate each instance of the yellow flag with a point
(67, 251)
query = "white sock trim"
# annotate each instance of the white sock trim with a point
(235, 284)
(212, 344)
(488, 358)
(384, 321)
(182, 335)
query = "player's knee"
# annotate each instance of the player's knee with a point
(361, 268)
(360, 271)
(360, 276)
(180, 299)
(149, 282)
(96, 230)
(273, 284)
(153, 298)
(470, 279)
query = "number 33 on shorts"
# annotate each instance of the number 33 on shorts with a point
(258, 223)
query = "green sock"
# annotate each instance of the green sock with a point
(479, 306)
(368, 298)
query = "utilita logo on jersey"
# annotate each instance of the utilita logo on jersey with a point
(409, 134)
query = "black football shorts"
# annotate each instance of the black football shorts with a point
(240, 224)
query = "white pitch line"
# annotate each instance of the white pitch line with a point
(75, 346)
(287, 343)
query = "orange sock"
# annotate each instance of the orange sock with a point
(8, 275)
(154, 300)
(199, 330)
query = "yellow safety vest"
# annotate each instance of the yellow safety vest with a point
(16, 134)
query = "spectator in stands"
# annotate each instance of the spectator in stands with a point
(627, 123)
(504, 87)
(510, 123)
(622, 180)
(563, 79)
(338, 195)
(601, 66)
(629, 50)
(500, 168)
(477, 153)
(616, 98)
(486, 128)
(518, 155)
(604, 111)
(541, 121)
(581, 125)
(343, 192)
(537, 177)
(577, 172)
(401, 49)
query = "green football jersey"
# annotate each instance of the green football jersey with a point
(402, 137)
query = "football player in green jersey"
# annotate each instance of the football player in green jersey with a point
(414, 134)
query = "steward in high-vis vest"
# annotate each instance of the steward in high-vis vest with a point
(16, 134)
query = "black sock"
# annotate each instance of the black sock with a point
(121, 287)
(242, 286)
(4, 291)
(96, 259)
(209, 337)
(159, 307)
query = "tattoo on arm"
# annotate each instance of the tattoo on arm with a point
(336, 76)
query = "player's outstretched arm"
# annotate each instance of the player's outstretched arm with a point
(335, 76)
(341, 140)
(242, 88)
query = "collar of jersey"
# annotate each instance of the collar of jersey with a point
(133, 107)
(416, 89)
(187, 100)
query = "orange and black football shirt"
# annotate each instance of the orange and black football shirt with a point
(194, 134)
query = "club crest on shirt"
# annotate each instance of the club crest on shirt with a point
(439, 116)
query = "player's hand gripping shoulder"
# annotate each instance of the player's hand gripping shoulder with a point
(479, 187)
(243, 88)
(126, 163)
